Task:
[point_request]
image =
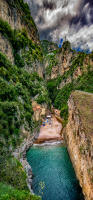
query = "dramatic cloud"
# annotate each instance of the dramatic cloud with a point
(71, 19)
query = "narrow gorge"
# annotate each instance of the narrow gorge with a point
(46, 113)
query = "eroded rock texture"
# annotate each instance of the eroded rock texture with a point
(79, 138)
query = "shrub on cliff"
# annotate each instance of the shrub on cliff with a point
(19, 61)
(6, 30)
(9, 193)
(85, 82)
(66, 45)
(64, 112)
(25, 12)
(11, 172)
(20, 41)
(63, 95)
(17, 88)
(52, 88)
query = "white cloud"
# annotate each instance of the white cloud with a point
(83, 38)
(58, 22)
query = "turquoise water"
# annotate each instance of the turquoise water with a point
(54, 177)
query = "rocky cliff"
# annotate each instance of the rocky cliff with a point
(21, 68)
(21, 83)
(17, 14)
(19, 38)
(67, 63)
(32, 75)
(79, 138)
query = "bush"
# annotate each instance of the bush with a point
(11, 172)
(19, 40)
(41, 99)
(10, 124)
(52, 89)
(52, 61)
(7, 91)
(63, 95)
(19, 61)
(17, 87)
(9, 193)
(85, 82)
(64, 112)
(66, 45)
(6, 30)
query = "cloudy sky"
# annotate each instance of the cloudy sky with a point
(70, 19)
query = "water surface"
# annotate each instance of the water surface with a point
(54, 177)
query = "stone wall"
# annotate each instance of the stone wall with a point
(80, 143)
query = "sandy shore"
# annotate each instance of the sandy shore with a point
(50, 131)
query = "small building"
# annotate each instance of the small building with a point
(49, 119)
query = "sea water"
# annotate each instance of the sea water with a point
(53, 174)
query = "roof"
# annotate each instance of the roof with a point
(48, 116)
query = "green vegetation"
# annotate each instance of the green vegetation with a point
(66, 46)
(49, 47)
(85, 82)
(52, 62)
(17, 87)
(60, 97)
(20, 41)
(15, 100)
(11, 172)
(50, 52)
(29, 51)
(52, 88)
(76, 61)
(9, 193)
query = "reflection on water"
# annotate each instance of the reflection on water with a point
(54, 177)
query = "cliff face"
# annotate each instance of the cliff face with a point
(19, 39)
(12, 12)
(56, 63)
(66, 64)
(6, 48)
(79, 138)
(20, 83)
(21, 71)
(31, 73)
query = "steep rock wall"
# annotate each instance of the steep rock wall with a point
(79, 138)
(67, 64)
(73, 65)
(20, 28)
(6, 48)
(65, 61)
(14, 17)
